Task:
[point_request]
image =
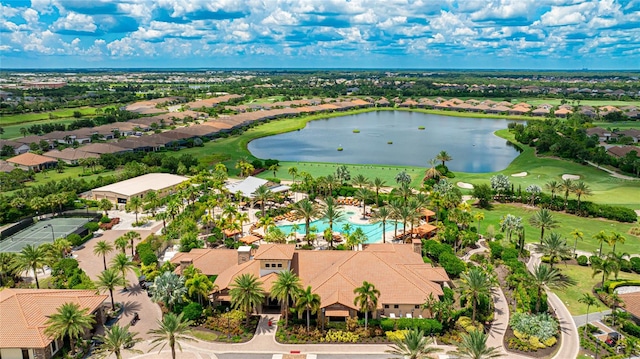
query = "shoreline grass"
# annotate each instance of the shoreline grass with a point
(606, 189)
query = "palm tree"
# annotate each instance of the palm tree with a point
(309, 302)
(172, 329)
(360, 181)
(263, 194)
(378, 183)
(616, 238)
(366, 299)
(432, 172)
(246, 294)
(444, 157)
(331, 213)
(105, 205)
(601, 237)
(553, 186)
(307, 210)
(605, 266)
(414, 345)
(152, 201)
(168, 288)
(576, 235)
(103, 248)
(115, 340)
(544, 275)
(71, 321)
(588, 300)
(199, 285)
(9, 266)
(474, 346)
(286, 287)
(122, 243)
(32, 258)
(567, 186)
(134, 205)
(510, 224)
(555, 247)
(382, 215)
(293, 171)
(132, 236)
(475, 283)
(108, 280)
(478, 216)
(363, 194)
(543, 219)
(122, 264)
(403, 177)
(581, 189)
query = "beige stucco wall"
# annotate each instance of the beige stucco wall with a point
(14, 353)
(404, 309)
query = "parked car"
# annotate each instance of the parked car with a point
(612, 339)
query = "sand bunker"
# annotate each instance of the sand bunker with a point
(571, 177)
(465, 185)
(521, 174)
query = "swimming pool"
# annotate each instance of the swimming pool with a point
(373, 231)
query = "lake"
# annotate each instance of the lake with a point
(470, 141)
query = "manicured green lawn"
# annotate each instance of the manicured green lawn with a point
(30, 117)
(567, 223)
(623, 125)
(606, 189)
(584, 284)
(204, 335)
(557, 101)
(13, 131)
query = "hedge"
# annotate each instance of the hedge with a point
(428, 326)
(635, 264)
(630, 328)
(611, 285)
(583, 260)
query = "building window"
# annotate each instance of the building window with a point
(395, 306)
(417, 306)
(279, 265)
(386, 306)
(25, 353)
(267, 265)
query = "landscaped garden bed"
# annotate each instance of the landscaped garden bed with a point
(231, 327)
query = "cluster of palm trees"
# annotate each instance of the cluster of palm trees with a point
(566, 187)
(116, 274)
(49, 202)
(71, 321)
(171, 289)
(247, 293)
(472, 345)
(32, 258)
(612, 262)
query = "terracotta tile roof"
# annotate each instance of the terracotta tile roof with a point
(210, 262)
(275, 251)
(631, 303)
(28, 309)
(621, 151)
(30, 159)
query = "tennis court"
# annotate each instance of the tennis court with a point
(42, 232)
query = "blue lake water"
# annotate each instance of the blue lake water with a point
(470, 141)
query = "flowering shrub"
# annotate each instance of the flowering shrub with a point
(533, 331)
(340, 337)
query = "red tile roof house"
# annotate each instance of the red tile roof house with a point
(24, 313)
(31, 161)
(397, 270)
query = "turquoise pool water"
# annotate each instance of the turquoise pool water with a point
(373, 231)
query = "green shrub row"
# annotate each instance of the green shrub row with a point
(428, 326)
(146, 254)
(611, 285)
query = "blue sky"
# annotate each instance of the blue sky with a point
(465, 34)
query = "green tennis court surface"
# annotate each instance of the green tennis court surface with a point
(42, 232)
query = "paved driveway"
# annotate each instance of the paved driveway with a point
(135, 299)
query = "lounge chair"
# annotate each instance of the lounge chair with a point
(392, 315)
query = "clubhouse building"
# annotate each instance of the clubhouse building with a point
(397, 271)
(120, 192)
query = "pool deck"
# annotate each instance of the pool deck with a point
(355, 218)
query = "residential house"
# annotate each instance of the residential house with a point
(32, 161)
(18, 147)
(603, 134)
(622, 151)
(70, 155)
(25, 313)
(396, 270)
